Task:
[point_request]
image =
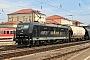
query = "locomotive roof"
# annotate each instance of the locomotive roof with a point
(44, 24)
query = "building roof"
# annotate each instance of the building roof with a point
(5, 28)
(25, 11)
(10, 22)
(51, 22)
(54, 17)
(74, 21)
(88, 25)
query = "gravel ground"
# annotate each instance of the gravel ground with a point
(26, 51)
(67, 57)
(52, 53)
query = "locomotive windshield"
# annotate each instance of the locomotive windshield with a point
(22, 26)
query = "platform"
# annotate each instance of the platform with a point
(7, 42)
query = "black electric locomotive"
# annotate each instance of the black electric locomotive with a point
(34, 33)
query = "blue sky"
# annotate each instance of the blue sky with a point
(79, 9)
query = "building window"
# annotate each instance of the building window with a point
(12, 18)
(29, 18)
(23, 18)
(17, 19)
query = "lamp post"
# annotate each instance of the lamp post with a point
(71, 16)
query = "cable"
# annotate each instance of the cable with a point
(55, 7)
(84, 2)
(60, 6)
(42, 6)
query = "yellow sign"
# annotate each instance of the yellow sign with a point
(54, 31)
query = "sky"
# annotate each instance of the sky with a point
(71, 9)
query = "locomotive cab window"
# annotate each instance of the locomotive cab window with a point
(22, 26)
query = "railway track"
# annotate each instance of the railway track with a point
(8, 53)
(8, 47)
(60, 54)
(14, 47)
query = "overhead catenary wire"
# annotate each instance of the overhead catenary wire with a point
(61, 6)
(84, 2)
(87, 2)
(41, 7)
(56, 7)
(79, 5)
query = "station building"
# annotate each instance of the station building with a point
(26, 15)
(77, 23)
(30, 15)
(10, 24)
(23, 15)
(56, 19)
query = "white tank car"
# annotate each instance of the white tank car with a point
(77, 32)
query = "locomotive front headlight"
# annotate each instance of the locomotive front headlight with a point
(27, 39)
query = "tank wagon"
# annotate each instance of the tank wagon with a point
(35, 33)
(76, 33)
(87, 32)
